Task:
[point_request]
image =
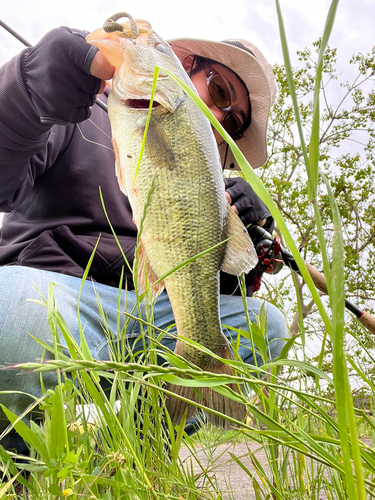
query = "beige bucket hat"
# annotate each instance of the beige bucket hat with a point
(251, 66)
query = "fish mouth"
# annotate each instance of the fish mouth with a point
(139, 103)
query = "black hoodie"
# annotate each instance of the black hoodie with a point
(51, 175)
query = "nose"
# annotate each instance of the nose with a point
(218, 113)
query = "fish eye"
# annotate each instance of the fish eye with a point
(161, 47)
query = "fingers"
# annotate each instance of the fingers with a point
(235, 209)
(101, 68)
(63, 91)
(246, 204)
(229, 199)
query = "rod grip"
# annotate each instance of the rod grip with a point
(317, 277)
(363, 317)
(368, 321)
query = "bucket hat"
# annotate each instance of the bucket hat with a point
(251, 66)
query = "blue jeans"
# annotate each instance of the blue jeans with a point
(19, 316)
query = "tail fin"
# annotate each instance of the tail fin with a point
(208, 397)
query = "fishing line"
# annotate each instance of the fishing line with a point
(101, 130)
(93, 142)
(225, 157)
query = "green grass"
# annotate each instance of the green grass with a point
(314, 444)
(123, 454)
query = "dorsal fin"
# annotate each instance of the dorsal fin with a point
(240, 255)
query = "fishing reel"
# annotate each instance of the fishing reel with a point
(271, 254)
(268, 249)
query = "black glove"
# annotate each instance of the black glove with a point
(56, 72)
(251, 208)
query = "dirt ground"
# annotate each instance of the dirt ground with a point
(230, 477)
(225, 473)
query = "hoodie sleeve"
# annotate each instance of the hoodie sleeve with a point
(42, 86)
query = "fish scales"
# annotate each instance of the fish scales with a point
(184, 217)
(178, 202)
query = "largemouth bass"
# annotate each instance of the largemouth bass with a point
(177, 198)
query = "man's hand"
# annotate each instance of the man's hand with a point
(101, 68)
(244, 202)
(63, 74)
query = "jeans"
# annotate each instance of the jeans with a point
(20, 316)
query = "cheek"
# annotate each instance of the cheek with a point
(199, 82)
(219, 139)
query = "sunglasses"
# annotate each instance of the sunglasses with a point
(219, 94)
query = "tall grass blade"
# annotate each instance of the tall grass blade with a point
(27, 434)
(153, 89)
(344, 401)
(312, 184)
(261, 191)
(315, 136)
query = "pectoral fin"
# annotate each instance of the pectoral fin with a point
(158, 146)
(240, 255)
(120, 179)
(146, 275)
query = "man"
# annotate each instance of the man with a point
(55, 153)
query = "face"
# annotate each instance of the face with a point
(234, 116)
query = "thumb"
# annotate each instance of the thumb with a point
(101, 68)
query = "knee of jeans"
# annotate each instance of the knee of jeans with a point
(277, 331)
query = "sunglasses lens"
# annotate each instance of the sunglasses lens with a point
(233, 126)
(219, 92)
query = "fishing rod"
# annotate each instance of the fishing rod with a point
(10, 30)
(273, 251)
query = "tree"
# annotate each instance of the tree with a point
(347, 160)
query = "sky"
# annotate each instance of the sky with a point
(253, 20)
(256, 21)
